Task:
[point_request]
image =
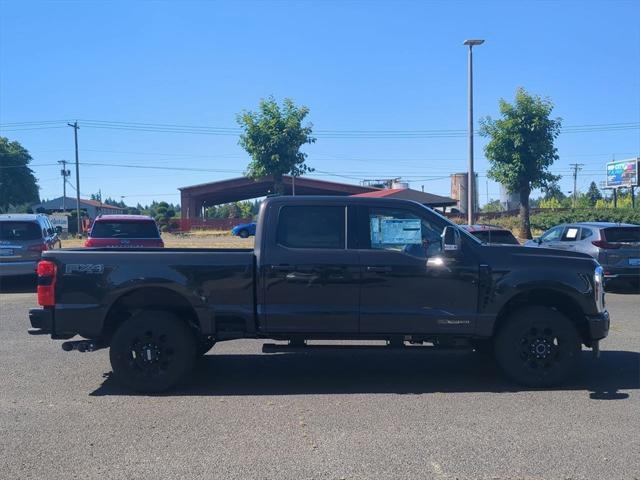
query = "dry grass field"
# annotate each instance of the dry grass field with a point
(196, 239)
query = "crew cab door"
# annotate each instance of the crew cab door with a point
(311, 280)
(408, 285)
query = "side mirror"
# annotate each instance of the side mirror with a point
(451, 241)
(58, 229)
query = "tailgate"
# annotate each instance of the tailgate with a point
(624, 249)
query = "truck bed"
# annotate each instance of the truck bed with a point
(218, 284)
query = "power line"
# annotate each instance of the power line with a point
(330, 134)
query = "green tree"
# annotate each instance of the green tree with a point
(272, 136)
(492, 206)
(521, 148)
(593, 194)
(551, 202)
(18, 184)
(231, 210)
(552, 190)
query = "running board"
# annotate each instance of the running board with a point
(297, 348)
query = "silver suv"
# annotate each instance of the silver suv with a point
(23, 238)
(616, 246)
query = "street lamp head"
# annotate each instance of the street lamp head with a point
(471, 43)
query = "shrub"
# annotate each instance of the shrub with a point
(550, 203)
(546, 220)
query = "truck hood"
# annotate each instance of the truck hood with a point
(562, 258)
(537, 252)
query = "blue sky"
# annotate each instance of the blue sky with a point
(358, 65)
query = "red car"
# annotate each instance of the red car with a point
(124, 231)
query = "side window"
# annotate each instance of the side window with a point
(571, 234)
(311, 227)
(403, 231)
(552, 235)
(585, 233)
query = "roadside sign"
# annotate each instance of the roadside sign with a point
(622, 173)
(60, 221)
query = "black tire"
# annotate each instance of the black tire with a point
(204, 345)
(243, 234)
(152, 351)
(538, 347)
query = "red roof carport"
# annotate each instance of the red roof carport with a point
(194, 197)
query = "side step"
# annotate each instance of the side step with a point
(395, 348)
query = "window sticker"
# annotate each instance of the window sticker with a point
(572, 233)
(395, 231)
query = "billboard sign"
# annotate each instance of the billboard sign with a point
(622, 173)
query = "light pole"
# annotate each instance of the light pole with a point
(471, 188)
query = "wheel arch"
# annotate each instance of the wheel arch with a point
(149, 298)
(562, 302)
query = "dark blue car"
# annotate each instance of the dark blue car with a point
(244, 230)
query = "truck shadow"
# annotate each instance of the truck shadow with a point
(406, 373)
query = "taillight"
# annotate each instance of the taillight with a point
(46, 283)
(88, 242)
(605, 244)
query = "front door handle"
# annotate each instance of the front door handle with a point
(378, 269)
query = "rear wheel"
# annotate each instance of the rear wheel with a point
(152, 351)
(538, 346)
(243, 234)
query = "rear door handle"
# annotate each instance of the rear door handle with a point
(379, 269)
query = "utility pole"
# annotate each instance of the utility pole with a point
(471, 177)
(75, 127)
(65, 173)
(576, 168)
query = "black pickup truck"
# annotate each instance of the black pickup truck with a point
(327, 268)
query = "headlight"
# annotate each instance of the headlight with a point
(598, 291)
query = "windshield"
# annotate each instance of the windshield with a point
(20, 231)
(127, 229)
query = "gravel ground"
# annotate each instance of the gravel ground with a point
(353, 416)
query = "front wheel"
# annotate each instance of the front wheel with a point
(538, 346)
(243, 234)
(152, 351)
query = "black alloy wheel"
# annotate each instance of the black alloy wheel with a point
(538, 346)
(152, 351)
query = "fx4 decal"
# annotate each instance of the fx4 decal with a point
(90, 268)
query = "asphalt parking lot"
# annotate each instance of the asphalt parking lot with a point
(365, 416)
